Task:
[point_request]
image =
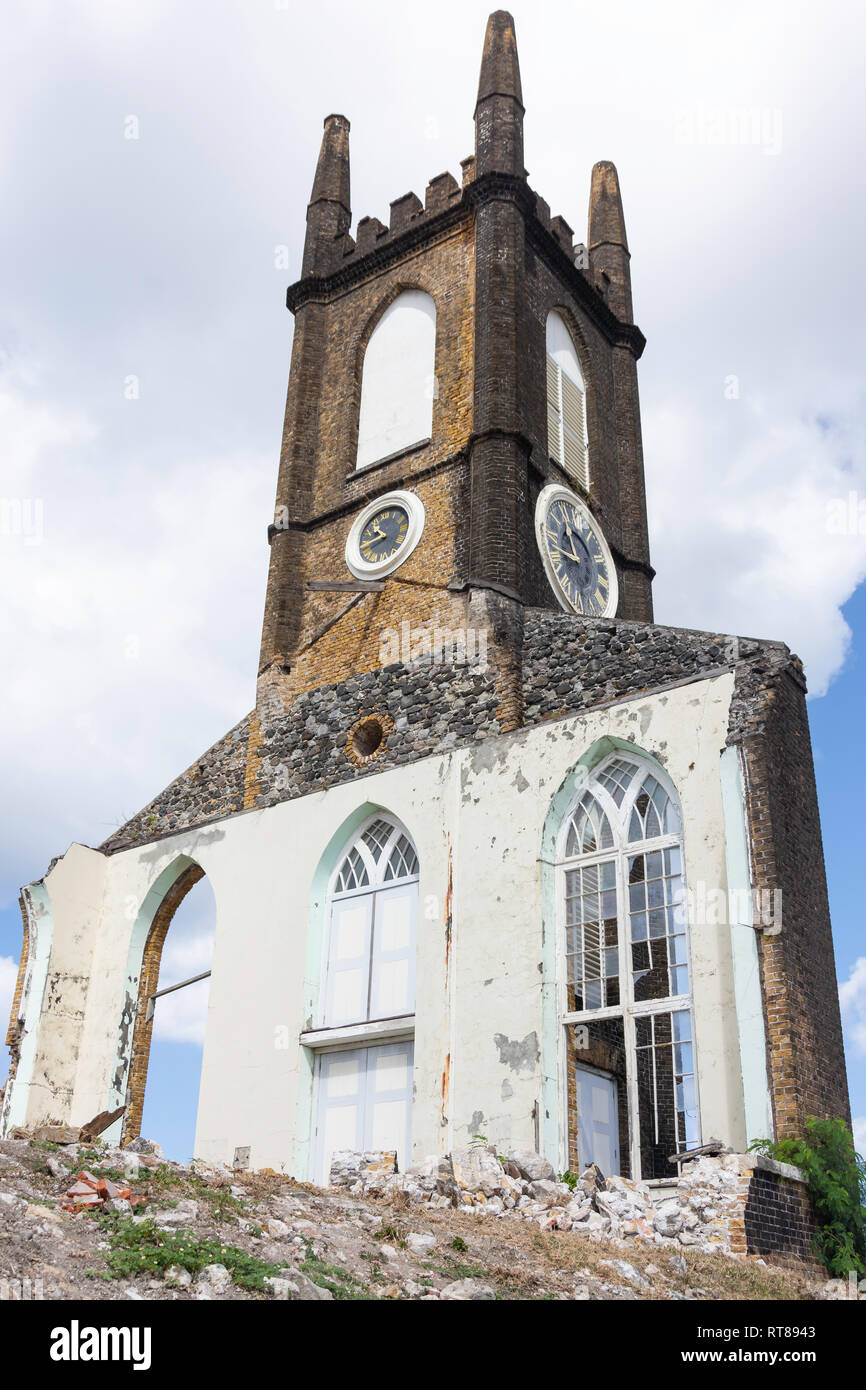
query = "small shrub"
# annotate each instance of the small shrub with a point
(836, 1178)
(570, 1179)
(145, 1249)
(458, 1243)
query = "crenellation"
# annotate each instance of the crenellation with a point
(564, 234)
(403, 211)
(441, 192)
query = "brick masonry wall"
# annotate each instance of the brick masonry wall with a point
(777, 1218)
(751, 1205)
(803, 1020)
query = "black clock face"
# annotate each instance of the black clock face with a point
(383, 534)
(577, 558)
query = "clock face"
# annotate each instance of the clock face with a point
(384, 533)
(576, 557)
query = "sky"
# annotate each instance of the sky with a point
(155, 162)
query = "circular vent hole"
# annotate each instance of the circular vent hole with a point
(367, 738)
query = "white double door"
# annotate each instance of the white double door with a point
(597, 1121)
(364, 1101)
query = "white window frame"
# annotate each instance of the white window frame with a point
(628, 1009)
(374, 888)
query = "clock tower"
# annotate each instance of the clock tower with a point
(462, 430)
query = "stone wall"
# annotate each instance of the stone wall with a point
(564, 665)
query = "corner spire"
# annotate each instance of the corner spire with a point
(499, 108)
(329, 212)
(606, 220)
(606, 240)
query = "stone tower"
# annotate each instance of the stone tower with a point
(493, 851)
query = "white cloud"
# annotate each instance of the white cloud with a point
(852, 999)
(859, 1130)
(741, 524)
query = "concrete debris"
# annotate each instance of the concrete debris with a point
(700, 1209)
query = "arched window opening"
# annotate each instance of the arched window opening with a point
(168, 1042)
(567, 438)
(627, 1010)
(398, 382)
(364, 1092)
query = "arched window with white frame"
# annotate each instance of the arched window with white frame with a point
(398, 382)
(567, 438)
(625, 986)
(365, 1041)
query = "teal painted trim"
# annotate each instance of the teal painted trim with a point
(744, 950)
(302, 1165)
(554, 1126)
(40, 925)
(137, 942)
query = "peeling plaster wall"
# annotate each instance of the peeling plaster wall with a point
(486, 1022)
(74, 889)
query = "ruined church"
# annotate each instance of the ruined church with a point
(494, 853)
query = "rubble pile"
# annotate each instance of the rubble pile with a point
(102, 1193)
(202, 1231)
(704, 1212)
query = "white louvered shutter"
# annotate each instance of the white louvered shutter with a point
(575, 460)
(554, 412)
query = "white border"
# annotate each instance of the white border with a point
(414, 507)
(555, 492)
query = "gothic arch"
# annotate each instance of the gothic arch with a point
(388, 420)
(578, 336)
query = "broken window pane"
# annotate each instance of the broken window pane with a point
(591, 939)
(667, 1105)
(656, 912)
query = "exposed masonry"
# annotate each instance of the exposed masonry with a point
(568, 665)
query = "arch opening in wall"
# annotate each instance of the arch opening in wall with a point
(363, 1044)
(398, 381)
(167, 1051)
(567, 434)
(624, 973)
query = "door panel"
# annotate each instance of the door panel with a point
(393, 975)
(597, 1121)
(349, 963)
(364, 1101)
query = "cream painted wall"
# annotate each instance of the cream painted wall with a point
(477, 817)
